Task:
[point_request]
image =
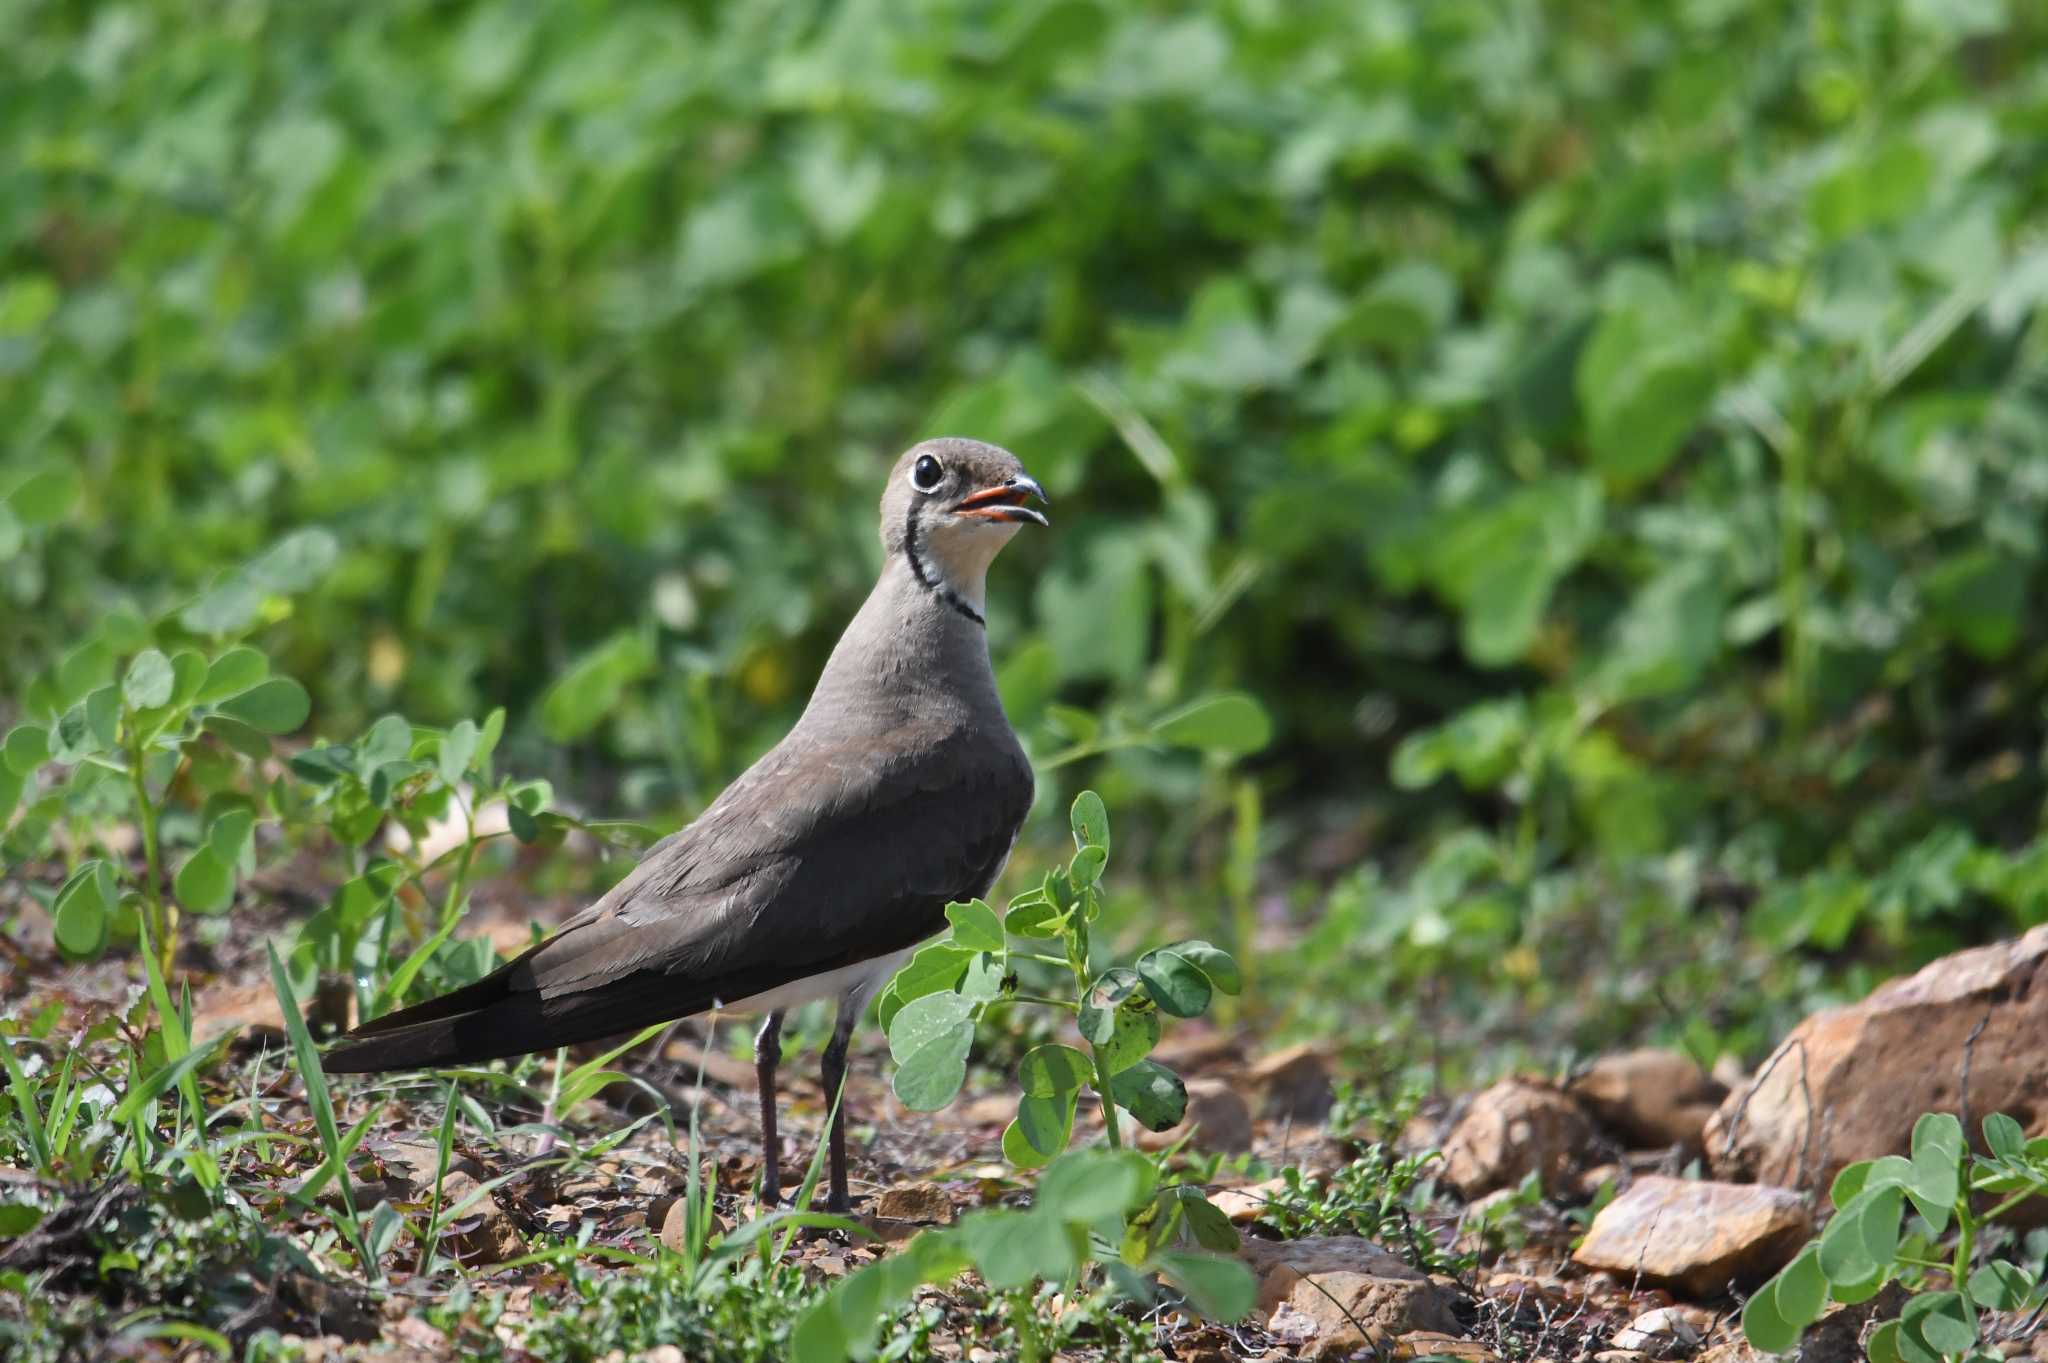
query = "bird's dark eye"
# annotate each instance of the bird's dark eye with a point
(925, 475)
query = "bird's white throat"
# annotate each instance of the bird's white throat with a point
(957, 554)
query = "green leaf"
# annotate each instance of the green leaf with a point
(28, 747)
(457, 751)
(205, 884)
(46, 496)
(936, 967)
(1216, 963)
(1211, 1227)
(1849, 1183)
(1232, 724)
(83, 909)
(1178, 985)
(1090, 820)
(188, 675)
(1032, 914)
(1134, 1031)
(1943, 1320)
(103, 715)
(1802, 1289)
(241, 737)
(1086, 867)
(276, 706)
(929, 1038)
(2003, 1136)
(1052, 1069)
(229, 834)
(149, 681)
(18, 1218)
(1105, 995)
(1764, 1325)
(1151, 1093)
(976, 926)
(1088, 1185)
(1220, 1288)
(1883, 1344)
(2001, 1286)
(1645, 376)
(237, 670)
(1858, 1244)
(1040, 1130)
(1013, 1249)
(295, 563)
(593, 685)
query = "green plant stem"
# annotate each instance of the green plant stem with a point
(163, 926)
(1067, 1004)
(1966, 1237)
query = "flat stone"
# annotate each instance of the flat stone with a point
(1335, 1294)
(1428, 1344)
(1649, 1098)
(1512, 1129)
(483, 1232)
(1667, 1330)
(1848, 1083)
(1696, 1236)
(1293, 1084)
(923, 1202)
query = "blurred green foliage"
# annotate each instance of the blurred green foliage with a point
(1611, 439)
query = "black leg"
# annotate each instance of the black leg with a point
(768, 1051)
(834, 1074)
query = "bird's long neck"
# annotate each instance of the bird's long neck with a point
(909, 651)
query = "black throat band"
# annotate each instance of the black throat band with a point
(929, 581)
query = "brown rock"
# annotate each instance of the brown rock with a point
(923, 1202)
(412, 1159)
(482, 1232)
(1848, 1083)
(1218, 1120)
(1667, 1332)
(1293, 1084)
(1649, 1097)
(1696, 1236)
(1335, 1294)
(1247, 1204)
(675, 1223)
(1514, 1127)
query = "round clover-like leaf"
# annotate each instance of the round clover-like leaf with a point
(1032, 914)
(84, 909)
(1883, 1345)
(929, 1038)
(1090, 820)
(229, 834)
(1175, 982)
(2001, 1285)
(276, 706)
(1097, 1019)
(1802, 1289)
(149, 681)
(1220, 1288)
(205, 884)
(2004, 1137)
(1764, 1325)
(28, 747)
(1088, 1185)
(239, 669)
(1040, 1130)
(1134, 1031)
(1219, 965)
(1943, 1320)
(1151, 1093)
(1012, 1249)
(976, 926)
(1054, 1069)
(1086, 867)
(457, 750)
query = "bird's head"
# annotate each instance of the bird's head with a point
(950, 505)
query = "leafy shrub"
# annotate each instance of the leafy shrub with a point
(930, 1007)
(1866, 1246)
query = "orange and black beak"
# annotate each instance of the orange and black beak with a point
(1004, 502)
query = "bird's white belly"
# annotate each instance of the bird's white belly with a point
(853, 983)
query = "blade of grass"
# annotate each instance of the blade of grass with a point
(318, 1098)
(444, 1150)
(31, 1109)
